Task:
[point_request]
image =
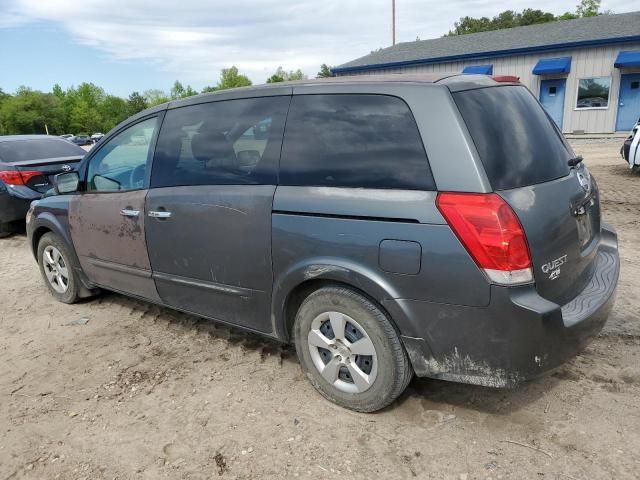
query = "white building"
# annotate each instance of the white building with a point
(586, 72)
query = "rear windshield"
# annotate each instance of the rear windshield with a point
(36, 149)
(516, 140)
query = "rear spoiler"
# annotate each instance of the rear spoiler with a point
(46, 161)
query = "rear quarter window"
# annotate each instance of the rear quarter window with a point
(366, 141)
(518, 143)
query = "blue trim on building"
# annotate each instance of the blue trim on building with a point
(547, 66)
(480, 69)
(491, 54)
(628, 59)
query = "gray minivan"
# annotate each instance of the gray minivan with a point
(386, 225)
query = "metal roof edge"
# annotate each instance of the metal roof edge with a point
(489, 54)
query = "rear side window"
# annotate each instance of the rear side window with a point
(37, 149)
(517, 142)
(367, 141)
(233, 142)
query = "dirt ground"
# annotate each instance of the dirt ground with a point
(133, 391)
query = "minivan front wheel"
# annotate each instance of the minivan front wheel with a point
(57, 270)
(349, 350)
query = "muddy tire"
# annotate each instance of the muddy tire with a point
(57, 269)
(349, 350)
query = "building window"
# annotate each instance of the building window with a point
(593, 92)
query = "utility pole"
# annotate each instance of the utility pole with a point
(393, 22)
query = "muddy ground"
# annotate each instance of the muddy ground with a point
(133, 391)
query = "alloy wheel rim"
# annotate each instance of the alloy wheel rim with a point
(342, 352)
(55, 269)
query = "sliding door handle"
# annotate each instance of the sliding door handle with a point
(159, 214)
(129, 212)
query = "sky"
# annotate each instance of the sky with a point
(135, 45)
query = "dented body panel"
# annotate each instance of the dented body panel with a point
(519, 336)
(111, 247)
(213, 256)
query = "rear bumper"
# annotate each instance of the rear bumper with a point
(14, 205)
(519, 336)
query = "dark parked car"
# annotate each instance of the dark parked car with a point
(385, 225)
(27, 166)
(81, 140)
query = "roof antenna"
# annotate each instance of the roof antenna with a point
(393, 22)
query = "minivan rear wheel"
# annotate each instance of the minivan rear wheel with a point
(349, 350)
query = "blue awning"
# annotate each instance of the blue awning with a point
(547, 66)
(628, 59)
(481, 69)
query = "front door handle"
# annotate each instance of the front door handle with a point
(129, 212)
(159, 214)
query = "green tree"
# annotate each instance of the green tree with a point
(155, 96)
(84, 119)
(136, 103)
(113, 110)
(178, 91)
(58, 91)
(529, 16)
(589, 8)
(231, 78)
(283, 76)
(325, 71)
(277, 77)
(28, 111)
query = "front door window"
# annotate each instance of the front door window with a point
(121, 164)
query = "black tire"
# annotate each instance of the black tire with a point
(72, 292)
(394, 371)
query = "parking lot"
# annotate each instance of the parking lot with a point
(117, 388)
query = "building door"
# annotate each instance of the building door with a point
(552, 98)
(629, 102)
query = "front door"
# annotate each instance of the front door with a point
(629, 103)
(209, 208)
(107, 219)
(552, 98)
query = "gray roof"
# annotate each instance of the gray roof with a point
(545, 36)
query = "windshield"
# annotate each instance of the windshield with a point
(35, 149)
(518, 143)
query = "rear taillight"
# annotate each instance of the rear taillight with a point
(491, 232)
(15, 177)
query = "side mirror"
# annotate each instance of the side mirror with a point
(66, 182)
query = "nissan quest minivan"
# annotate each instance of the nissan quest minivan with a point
(385, 225)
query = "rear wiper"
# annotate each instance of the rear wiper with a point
(572, 162)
